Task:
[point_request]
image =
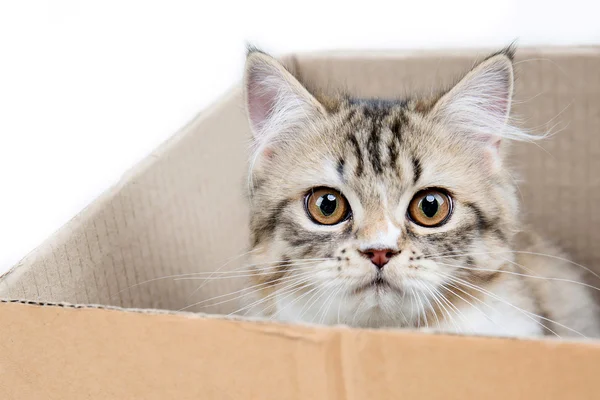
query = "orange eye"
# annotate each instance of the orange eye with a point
(430, 208)
(327, 206)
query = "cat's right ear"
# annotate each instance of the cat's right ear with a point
(277, 104)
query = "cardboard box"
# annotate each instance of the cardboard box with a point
(79, 318)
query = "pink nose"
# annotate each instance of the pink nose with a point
(379, 257)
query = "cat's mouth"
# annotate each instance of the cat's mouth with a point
(378, 284)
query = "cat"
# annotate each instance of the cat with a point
(399, 213)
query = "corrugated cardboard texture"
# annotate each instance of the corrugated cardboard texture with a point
(103, 354)
(182, 210)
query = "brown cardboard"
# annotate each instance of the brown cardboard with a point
(182, 211)
(109, 354)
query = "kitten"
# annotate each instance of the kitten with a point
(376, 213)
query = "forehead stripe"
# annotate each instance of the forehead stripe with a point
(373, 147)
(417, 169)
(359, 159)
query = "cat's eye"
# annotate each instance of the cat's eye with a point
(430, 208)
(327, 206)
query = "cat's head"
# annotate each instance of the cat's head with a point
(366, 212)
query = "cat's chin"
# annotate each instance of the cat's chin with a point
(377, 317)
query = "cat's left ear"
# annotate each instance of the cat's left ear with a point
(479, 105)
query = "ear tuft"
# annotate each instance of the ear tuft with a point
(509, 52)
(250, 48)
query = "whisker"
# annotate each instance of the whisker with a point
(317, 295)
(467, 284)
(356, 313)
(456, 311)
(528, 314)
(442, 307)
(466, 293)
(423, 308)
(156, 279)
(524, 275)
(294, 301)
(447, 254)
(402, 306)
(530, 253)
(318, 292)
(266, 266)
(412, 307)
(224, 265)
(308, 266)
(308, 303)
(271, 265)
(323, 295)
(286, 294)
(296, 259)
(425, 286)
(340, 306)
(341, 289)
(398, 307)
(473, 305)
(328, 301)
(290, 286)
(260, 286)
(204, 283)
(524, 268)
(191, 276)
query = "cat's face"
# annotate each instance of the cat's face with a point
(372, 213)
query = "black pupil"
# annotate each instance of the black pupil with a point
(327, 204)
(429, 205)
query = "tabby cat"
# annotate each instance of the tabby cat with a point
(399, 213)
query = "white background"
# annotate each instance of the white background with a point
(88, 88)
